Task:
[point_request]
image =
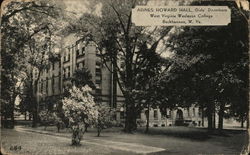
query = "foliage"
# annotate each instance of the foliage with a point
(25, 39)
(209, 65)
(82, 77)
(49, 118)
(80, 109)
(105, 118)
(125, 49)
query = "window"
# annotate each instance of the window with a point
(98, 74)
(64, 72)
(77, 52)
(83, 50)
(98, 81)
(64, 58)
(200, 112)
(98, 91)
(98, 70)
(114, 116)
(68, 73)
(52, 84)
(155, 114)
(68, 57)
(170, 113)
(98, 63)
(138, 116)
(122, 115)
(53, 65)
(194, 112)
(77, 66)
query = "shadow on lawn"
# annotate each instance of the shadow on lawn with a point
(198, 134)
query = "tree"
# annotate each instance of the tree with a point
(26, 99)
(122, 45)
(80, 109)
(21, 22)
(82, 77)
(238, 108)
(214, 65)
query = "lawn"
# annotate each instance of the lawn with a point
(40, 144)
(175, 140)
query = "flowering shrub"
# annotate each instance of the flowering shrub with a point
(104, 118)
(79, 107)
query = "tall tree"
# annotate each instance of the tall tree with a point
(120, 43)
(21, 26)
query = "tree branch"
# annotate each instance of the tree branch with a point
(119, 18)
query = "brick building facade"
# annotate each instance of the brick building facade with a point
(77, 53)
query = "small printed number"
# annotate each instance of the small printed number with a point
(15, 148)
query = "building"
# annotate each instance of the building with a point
(77, 53)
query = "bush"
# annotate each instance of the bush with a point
(104, 119)
(49, 118)
(79, 108)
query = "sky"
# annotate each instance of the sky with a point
(76, 6)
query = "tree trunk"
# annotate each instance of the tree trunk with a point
(76, 136)
(247, 126)
(25, 115)
(242, 122)
(214, 119)
(86, 127)
(130, 122)
(202, 115)
(29, 116)
(35, 115)
(35, 107)
(210, 116)
(147, 115)
(98, 132)
(10, 124)
(221, 115)
(35, 110)
(12, 116)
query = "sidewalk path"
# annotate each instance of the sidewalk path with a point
(131, 147)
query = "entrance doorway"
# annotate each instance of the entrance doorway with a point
(179, 118)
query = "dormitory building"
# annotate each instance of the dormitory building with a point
(77, 53)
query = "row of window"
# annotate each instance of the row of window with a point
(47, 85)
(122, 115)
(81, 52)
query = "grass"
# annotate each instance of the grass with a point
(176, 140)
(39, 144)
